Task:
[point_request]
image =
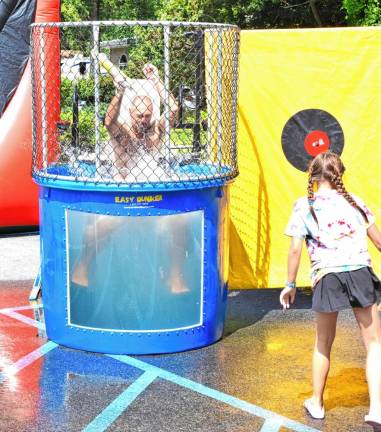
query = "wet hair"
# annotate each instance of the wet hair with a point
(328, 166)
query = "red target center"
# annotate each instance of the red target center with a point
(316, 142)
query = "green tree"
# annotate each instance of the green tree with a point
(83, 10)
(245, 13)
(75, 10)
(257, 13)
(363, 12)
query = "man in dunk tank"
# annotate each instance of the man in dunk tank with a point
(134, 122)
(136, 130)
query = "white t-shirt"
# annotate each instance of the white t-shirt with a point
(339, 241)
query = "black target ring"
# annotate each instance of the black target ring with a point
(308, 133)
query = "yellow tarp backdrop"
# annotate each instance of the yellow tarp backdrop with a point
(283, 72)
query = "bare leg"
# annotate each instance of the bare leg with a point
(178, 251)
(95, 236)
(325, 335)
(80, 274)
(369, 323)
(176, 281)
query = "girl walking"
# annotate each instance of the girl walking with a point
(335, 226)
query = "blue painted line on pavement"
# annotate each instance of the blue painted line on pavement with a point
(19, 308)
(10, 313)
(271, 425)
(25, 361)
(34, 305)
(215, 394)
(116, 408)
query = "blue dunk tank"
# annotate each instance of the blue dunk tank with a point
(133, 158)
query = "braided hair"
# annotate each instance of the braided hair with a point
(328, 166)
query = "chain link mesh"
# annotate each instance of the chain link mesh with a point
(134, 103)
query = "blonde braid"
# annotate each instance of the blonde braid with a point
(310, 188)
(311, 198)
(339, 186)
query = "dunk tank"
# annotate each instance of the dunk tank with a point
(134, 148)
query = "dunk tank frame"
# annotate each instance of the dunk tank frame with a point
(134, 222)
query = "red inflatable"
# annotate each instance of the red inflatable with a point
(18, 192)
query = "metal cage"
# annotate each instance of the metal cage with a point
(134, 103)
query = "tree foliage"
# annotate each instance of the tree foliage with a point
(363, 12)
(83, 10)
(245, 13)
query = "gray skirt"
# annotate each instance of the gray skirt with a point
(337, 291)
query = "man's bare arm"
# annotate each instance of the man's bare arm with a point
(111, 120)
(151, 73)
(173, 106)
(119, 132)
(117, 75)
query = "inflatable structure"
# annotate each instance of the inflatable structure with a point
(18, 192)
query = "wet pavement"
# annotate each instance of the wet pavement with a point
(254, 379)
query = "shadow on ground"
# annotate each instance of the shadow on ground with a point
(246, 307)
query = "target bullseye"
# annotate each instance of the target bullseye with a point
(308, 133)
(316, 142)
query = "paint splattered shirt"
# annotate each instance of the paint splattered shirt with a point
(339, 242)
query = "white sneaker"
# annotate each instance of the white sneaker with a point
(314, 411)
(374, 422)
